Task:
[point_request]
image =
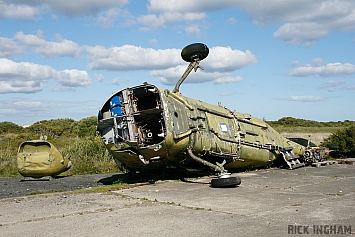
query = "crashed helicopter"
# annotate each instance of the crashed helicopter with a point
(147, 128)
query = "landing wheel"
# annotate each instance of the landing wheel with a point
(194, 51)
(225, 182)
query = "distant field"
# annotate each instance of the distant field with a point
(315, 134)
(316, 138)
(310, 130)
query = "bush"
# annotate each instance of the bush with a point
(89, 156)
(343, 141)
(8, 127)
(54, 128)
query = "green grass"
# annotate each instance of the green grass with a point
(88, 155)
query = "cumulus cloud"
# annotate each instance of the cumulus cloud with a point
(34, 105)
(318, 67)
(60, 48)
(227, 79)
(153, 41)
(72, 78)
(27, 10)
(168, 65)
(99, 77)
(80, 7)
(130, 57)
(301, 33)
(18, 86)
(16, 107)
(303, 98)
(232, 20)
(107, 18)
(116, 81)
(228, 59)
(171, 75)
(193, 30)
(218, 66)
(9, 48)
(25, 77)
(167, 16)
(19, 11)
(331, 85)
(300, 21)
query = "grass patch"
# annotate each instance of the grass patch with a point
(88, 155)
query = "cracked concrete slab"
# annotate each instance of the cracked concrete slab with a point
(271, 202)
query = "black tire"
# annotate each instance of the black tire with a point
(193, 51)
(225, 182)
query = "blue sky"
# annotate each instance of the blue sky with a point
(270, 58)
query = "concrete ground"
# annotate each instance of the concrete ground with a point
(308, 201)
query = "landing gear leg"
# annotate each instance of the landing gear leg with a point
(224, 179)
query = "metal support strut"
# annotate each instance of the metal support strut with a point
(193, 65)
(218, 167)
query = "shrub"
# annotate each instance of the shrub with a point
(343, 141)
(89, 156)
(8, 127)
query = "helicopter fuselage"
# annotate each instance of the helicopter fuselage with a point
(145, 128)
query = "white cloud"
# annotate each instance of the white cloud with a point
(153, 41)
(116, 81)
(99, 77)
(303, 98)
(33, 105)
(331, 85)
(193, 30)
(18, 86)
(153, 21)
(25, 77)
(302, 21)
(72, 78)
(24, 71)
(171, 75)
(222, 80)
(318, 67)
(60, 48)
(167, 64)
(130, 57)
(17, 107)
(299, 21)
(301, 33)
(232, 20)
(20, 11)
(27, 10)
(228, 59)
(9, 48)
(80, 7)
(107, 18)
(227, 94)
(189, 6)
